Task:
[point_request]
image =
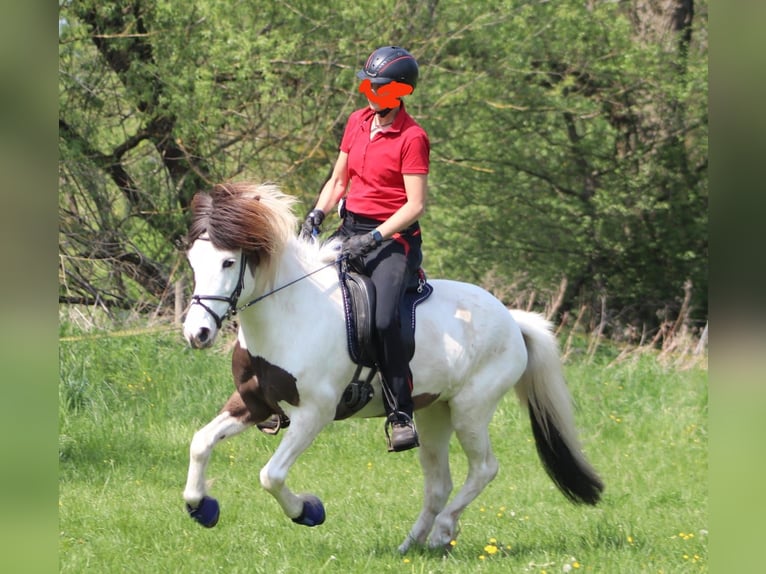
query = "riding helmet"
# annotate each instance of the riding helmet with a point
(389, 64)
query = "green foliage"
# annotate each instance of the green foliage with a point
(569, 139)
(129, 406)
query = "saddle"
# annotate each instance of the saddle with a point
(359, 306)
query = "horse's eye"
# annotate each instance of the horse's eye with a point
(228, 263)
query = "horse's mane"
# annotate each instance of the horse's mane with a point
(256, 218)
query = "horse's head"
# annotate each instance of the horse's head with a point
(221, 277)
(235, 229)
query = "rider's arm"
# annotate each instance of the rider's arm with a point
(335, 187)
(416, 186)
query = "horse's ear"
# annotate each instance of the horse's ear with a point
(181, 243)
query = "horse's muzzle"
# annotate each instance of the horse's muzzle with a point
(201, 339)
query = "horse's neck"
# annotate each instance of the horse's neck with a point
(298, 291)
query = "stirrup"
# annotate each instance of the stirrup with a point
(399, 418)
(274, 424)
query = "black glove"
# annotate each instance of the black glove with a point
(310, 227)
(361, 245)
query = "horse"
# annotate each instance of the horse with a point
(291, 359)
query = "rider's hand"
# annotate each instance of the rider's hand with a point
(361, 245)
(312, 223)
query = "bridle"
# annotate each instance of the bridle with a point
(233, 299)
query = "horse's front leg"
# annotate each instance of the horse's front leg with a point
(305, 424)
(232, 420)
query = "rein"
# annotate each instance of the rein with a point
(309, 274)
(232, 299)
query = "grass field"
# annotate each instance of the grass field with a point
(129, 405)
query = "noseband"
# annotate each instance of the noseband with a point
(231, 299)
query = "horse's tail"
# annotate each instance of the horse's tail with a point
(543, 389)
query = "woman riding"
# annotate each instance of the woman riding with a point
(381, 173)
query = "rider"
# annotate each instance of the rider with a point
(381, 173)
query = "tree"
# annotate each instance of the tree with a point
(569, 140)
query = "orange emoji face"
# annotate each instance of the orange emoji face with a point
(387, 95)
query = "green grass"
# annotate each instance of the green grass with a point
(130, 405)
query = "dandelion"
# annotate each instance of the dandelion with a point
(406, 560)
(491, 549)
(685, 535)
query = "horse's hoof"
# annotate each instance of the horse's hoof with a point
(313, 512)
(206, 513)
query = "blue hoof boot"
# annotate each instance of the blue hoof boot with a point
(313, 512)
(206, 513)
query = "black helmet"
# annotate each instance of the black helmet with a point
(389, 64)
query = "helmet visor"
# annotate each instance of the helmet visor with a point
(374, 79)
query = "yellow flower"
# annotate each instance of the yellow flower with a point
(406, 560)
(490, 549)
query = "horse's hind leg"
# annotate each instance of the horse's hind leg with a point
(472, 431)
(435, 429)
(232, 420)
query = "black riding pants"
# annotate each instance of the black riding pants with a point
(389, 266)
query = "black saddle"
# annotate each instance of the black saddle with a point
(359, 305)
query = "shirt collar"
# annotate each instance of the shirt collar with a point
(398, 121)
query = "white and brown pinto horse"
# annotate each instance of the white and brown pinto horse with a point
(292, 359)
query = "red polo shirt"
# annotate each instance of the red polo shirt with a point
(376, 167)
